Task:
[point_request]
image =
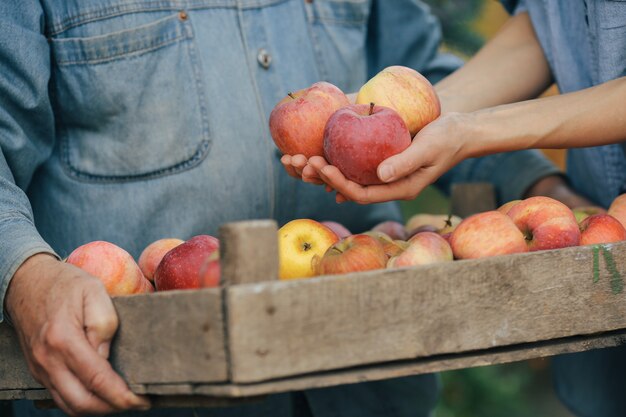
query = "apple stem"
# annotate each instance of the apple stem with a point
(449, 220)
(371, 108)
(290, 94)
(307, 246)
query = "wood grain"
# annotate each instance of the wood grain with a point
(288, 328)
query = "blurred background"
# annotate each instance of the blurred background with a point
(519, 389)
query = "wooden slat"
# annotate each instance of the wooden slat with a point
(288, 328)
(471, 198)
(172, 337)
(251, 252)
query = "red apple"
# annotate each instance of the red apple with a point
(423, 248)
(153, 253)
(210, 272)
(406, 91)
(297, 122)
(601, 228)
(395, 230)
(340, 230)
(486, 234)
(353, 253)
(546, 223)
(359, 137)
(180, 267)
(112, 265)
(504, 208)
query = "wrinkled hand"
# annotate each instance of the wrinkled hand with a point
(434, 150)
(65, 321)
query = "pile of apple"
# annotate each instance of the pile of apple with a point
(309, 248)
(166, 264)
(320, 121)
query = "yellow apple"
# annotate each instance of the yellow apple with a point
(299, 241)
(407, 92)
(441, 223)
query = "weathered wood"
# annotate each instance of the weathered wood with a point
(471, 198)
(288, 328)
(397, 369)
(168, 337)
(251, 252)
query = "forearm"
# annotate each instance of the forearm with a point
(591, 117)
(509, 68)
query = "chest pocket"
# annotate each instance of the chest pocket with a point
(611, 39)
(130, 104)
(339, 31)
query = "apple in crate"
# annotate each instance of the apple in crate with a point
(424, 248)
(180, 268)
(112, 265)
(601, 228)
(297, 122)
(211, 271)
(425, 222)
(340, 230)
(581, 213)
(299, 241)
(407, 92)
(390, 246)
(359, 137)
(617, 209)
(395, 230)
(153, 253)
(354, 253)
(486, 234)
(504, 208)
(546, 223)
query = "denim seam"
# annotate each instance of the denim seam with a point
(166, 42)
(95, 15)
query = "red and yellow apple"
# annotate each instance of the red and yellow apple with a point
(112, 265)
(358, 138)
(180, 267)
(546, 223)
(617, 209)
(340, 230)
(297, 122)
(442, 223)
(210, 272)
(351, 254)
(486, 234)
(153, 253)
(299, 241)
(395, 230)
(407, 92)
(601, 228)
(424, 248)
(504, 208)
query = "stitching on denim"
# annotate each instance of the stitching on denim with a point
(108, 12)
(198, 156)
(113, 57)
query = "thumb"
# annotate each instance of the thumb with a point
(400, 165)
(100, 320)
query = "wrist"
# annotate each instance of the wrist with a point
(20, 281)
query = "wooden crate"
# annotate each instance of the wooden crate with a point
(257, 335)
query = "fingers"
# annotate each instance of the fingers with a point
(402, 164)
(72, 397)
(310, 175)
(100, 320)
(294, 164)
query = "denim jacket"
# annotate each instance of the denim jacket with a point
(133, 120)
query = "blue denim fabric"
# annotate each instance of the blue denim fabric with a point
(585, 44)
(127, 121)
